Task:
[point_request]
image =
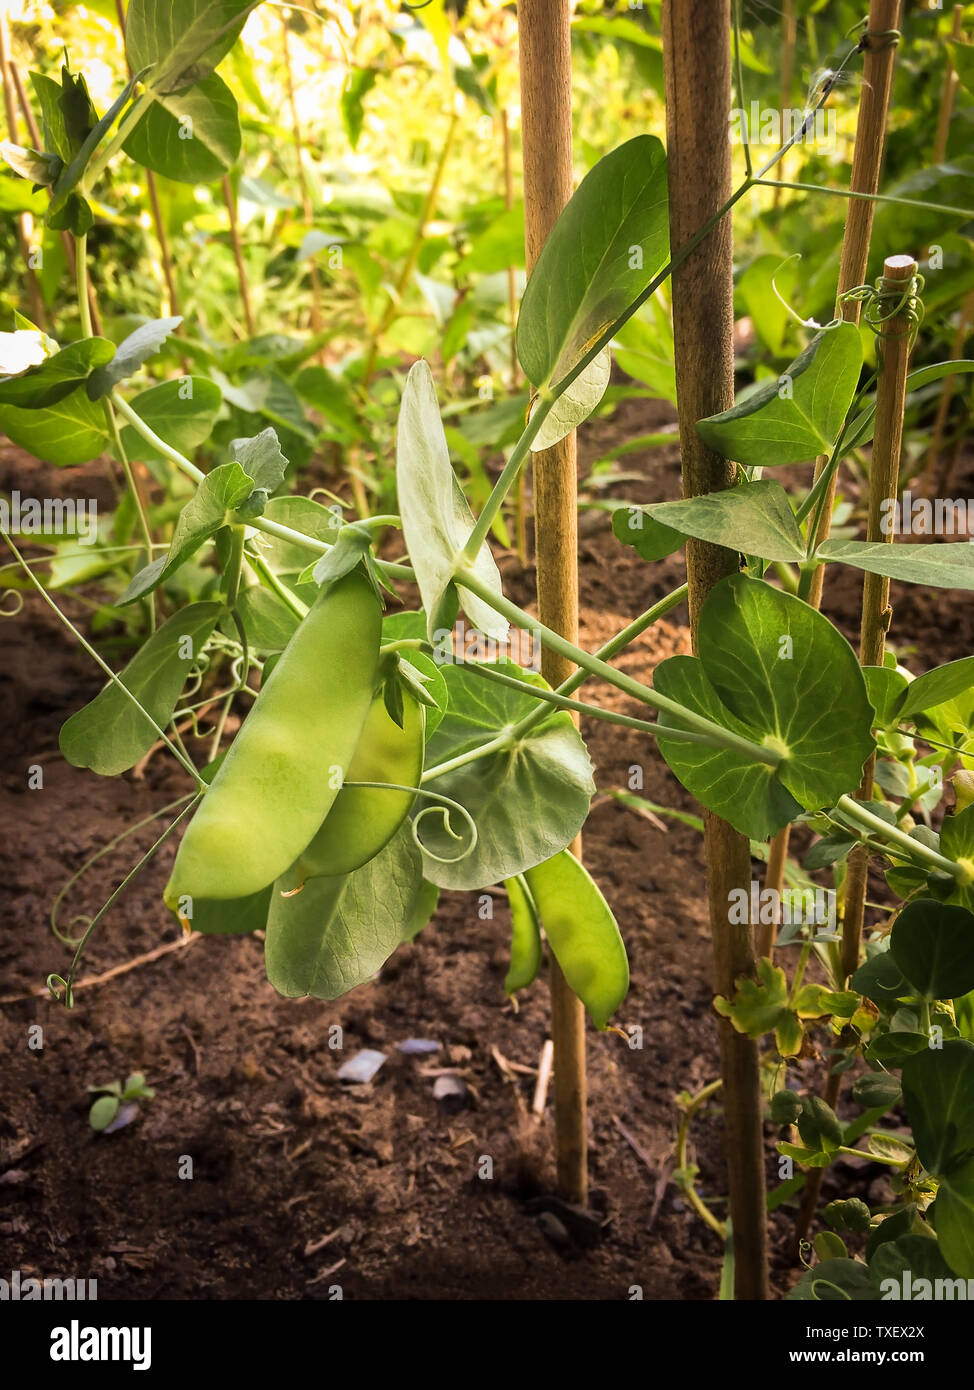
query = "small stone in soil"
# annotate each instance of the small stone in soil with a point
(450, 1092)
(419, 1046)
(553, 1230)
(362, 1067)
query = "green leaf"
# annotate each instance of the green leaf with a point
(880, 979)
(941, 565)
(287, 558)
(192, 136)
(885, 689)
(604, 250)
(915, 1255)
(230, 916)
(937, 687)
(525, 936)
(181, 40)
(111, 733)
(799, 414)
(268, 622)
(755, 518)
(337, 932)
(933, 945)
(528, 801)
(775, 671)
(436, 520)
(36, 165)
(69, 432)
(861, 430)
(261, 458)
(347, 552)
(181, 412)
(211, 506)
(850, 1214)
(358, 84)
(953, 1212)
(130, 354)
(938, 1088)
(835, 1281)
(57, 376)
(758, 1005)
(582, 933)
(102, 1112)
(877, 1089)
(576, 403)
(962, 58)
(651, 539)
(48, 93)
(818, 1125)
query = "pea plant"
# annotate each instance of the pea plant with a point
(376, 765)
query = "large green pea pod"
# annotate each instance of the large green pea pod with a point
(582, 933)
(364, 819)
(525, 936)
(284, 769)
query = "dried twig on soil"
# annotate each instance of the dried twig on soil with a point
(544, 1078)
(183, 944)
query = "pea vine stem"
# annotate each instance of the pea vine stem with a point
(722, 738)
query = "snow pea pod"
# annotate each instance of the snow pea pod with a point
(582, 933)
(364, 819)
(525, 936)
(285, 768)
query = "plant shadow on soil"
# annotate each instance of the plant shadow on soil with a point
(300, 1182)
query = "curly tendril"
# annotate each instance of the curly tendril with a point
(447, 804)
(81, 917)
(18, 600)
(884, 301)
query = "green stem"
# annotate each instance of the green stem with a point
(128, 123)
(683, 1133)
(234, 565)
(966, 213)
(552, 697)
(259, 523)
(507, 478)
(722, 738)
(914, 849)
(263, 571)
(69, 982)
(181, 757)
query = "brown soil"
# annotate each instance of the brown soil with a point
(301, 1182)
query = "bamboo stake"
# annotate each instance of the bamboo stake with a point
(306, 205)
(938, 482)
(25, 222)
(696, 60)
(876, 613)
(544, 31)
(789, 35)
(867, 161)
(948, 94)
(231, 202)
(521, 497)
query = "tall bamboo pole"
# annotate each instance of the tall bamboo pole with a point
(697, 68)
(24, 219)
(867, 163)
(544, 30)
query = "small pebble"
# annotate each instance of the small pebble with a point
(362, 1067)
(451, 1092)
(417, 1045)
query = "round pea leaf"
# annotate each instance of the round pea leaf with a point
(933, 945)
(337, 932)
(777, 672)
(528, 801)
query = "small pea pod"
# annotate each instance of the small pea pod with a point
(281, 774)
(582, 933)
(525, 936)
(364, 819)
